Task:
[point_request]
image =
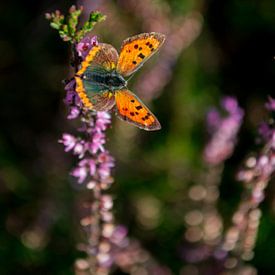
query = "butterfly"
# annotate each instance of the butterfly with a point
(101, 81)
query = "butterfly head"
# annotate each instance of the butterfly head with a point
(115, 80)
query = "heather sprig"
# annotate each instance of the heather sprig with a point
(94, 162)
(68, 26)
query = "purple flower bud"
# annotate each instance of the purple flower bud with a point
(85, 45)
(70, 86)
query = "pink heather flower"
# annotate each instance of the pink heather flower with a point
(80, 149)
(84, 46)
(74, 113)
(106, 202)
(272, 140)
(104, 171)
(266, 130)
(80, 173)
(213, 120)
(119, 234)
(270, 105)
(230, 104)
(92, 166)
(97, 142)
(103, 120)
(105, 157)
(69, 142)
(223, 131)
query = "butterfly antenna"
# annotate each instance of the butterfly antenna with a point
(130, 77)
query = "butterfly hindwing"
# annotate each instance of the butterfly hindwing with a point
(103, 100)
(100, 60)
(136, 50)
(130, 108)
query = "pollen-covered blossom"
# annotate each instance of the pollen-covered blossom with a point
(223, 131)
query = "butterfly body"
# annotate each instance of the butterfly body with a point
(101, 83)
(110, 80)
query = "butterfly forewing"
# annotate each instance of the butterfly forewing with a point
(136, 50)
(102, 55)
(130, 108)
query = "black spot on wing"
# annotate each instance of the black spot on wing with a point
(138, 107)
(136, 46)
(141, 55)
(132, 113)
(134, 62)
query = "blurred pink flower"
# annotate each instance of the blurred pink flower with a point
(223, 131)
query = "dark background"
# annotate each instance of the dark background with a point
(234, 55)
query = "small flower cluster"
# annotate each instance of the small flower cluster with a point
(223, 131)
(99, 162)
(255, 176)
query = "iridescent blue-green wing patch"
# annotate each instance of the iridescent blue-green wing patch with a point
(94, 96)
(99, 61)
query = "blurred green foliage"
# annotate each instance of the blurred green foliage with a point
(39, 226)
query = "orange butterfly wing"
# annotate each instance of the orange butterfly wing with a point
(136, 50)
(131, 109)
